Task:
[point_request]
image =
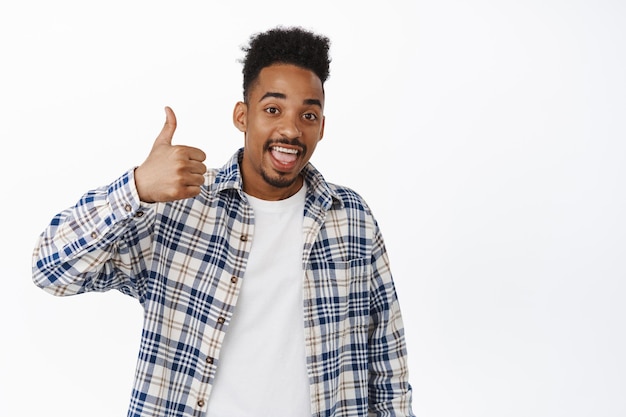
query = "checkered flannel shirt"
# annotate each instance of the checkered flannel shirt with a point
(184, 261)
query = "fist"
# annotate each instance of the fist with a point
(170, 172)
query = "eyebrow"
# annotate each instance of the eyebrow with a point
(308, 101)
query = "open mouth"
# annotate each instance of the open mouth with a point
(284, 156)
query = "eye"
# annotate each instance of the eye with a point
(310, 116)
(272, 110)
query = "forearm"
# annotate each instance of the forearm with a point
(389, 389)
(98, 244)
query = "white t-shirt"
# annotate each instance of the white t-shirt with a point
(262, 368)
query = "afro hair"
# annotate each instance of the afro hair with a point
(280, 45)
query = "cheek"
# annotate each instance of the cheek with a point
(255, 143)
(258, 132)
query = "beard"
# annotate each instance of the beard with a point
(278, 180)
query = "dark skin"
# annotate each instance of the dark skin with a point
(282, 122)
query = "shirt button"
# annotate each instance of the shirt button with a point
(128, 208)
(94, 235)
(221, 320)
(209, 360)
(200, 403)
(233, 280)
(244, 238)
(139, 214)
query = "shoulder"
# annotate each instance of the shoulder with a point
(348, 199)
(331, 195)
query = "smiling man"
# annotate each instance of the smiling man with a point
(282, 120)
(266, 290)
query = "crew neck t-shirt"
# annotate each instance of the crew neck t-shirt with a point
(262, 369)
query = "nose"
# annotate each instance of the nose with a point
(289, 127)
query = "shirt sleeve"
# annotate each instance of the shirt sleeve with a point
(390, 393)
(101, 243)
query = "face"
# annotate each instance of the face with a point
(282, 123)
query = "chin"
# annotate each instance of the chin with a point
(280, 181)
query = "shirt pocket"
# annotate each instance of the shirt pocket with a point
(338, 294)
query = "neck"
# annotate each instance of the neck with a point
(273, 193)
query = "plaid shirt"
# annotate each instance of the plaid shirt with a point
(184, 261)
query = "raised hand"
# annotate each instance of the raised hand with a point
(171, 172)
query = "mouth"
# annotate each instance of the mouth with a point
(284, 157)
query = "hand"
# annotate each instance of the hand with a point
(171, 172)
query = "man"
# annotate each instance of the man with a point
(266, 290)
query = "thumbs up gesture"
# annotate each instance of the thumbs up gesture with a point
(171, 172)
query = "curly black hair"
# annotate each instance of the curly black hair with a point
(293, 45)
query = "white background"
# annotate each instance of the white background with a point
(488, 137)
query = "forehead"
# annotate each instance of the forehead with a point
(289, 80)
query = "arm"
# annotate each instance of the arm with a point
(389, 390)
(105, 240)
(101, 243)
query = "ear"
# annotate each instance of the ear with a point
(240, 116)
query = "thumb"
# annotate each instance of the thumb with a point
(165, 137)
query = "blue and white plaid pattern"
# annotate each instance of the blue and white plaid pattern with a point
(184, 261)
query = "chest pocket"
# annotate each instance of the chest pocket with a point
(338, 295)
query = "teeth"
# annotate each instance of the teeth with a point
(285, 150)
